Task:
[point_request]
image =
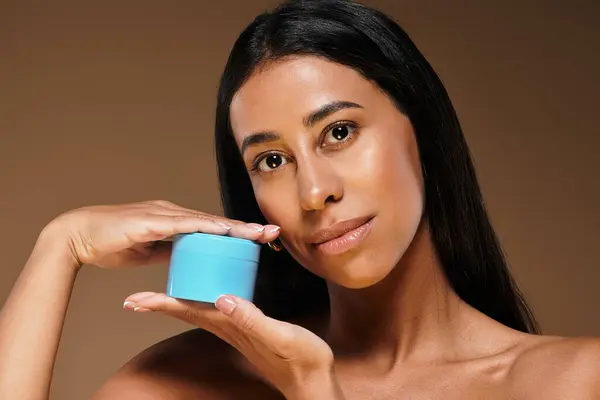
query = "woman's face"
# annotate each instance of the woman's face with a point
(332, 162)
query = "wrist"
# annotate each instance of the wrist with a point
(54, 241)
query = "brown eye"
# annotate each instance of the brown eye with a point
(339, 133)
(271, 162)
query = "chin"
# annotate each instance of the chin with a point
(367, 267)
(359, 274)
(357, 282)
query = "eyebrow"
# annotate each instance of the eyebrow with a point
(327, 110)
(308, 121)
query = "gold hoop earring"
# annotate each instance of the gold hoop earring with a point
(274, 246)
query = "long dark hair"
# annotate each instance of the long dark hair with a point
(354, 35)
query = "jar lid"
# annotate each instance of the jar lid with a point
(226, 246)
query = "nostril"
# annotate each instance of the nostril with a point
(331, 199)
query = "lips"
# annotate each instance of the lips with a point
(341, 236)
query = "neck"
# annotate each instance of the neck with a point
(413, 314)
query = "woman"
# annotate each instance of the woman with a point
(339, 148)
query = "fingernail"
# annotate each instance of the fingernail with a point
(129, 305)
(256, 227)
(141, 309)
(224, 225)
(273, 229)
(225, 304)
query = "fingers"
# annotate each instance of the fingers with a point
(153, 253)
(231, 318)
(244, 315)
(213, 224)
(256, 232)
(251, 231)
(153, 227)
(203, 315)
(138, 296)
(131, 302)
(250, 320)
(190, 311)
(161, 253)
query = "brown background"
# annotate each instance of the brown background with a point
(113, 102)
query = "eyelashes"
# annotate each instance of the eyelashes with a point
(335, 136)
(268, 162)
(341, 132)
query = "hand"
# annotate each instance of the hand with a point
(291, 358)
(113, 236)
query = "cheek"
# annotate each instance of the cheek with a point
(402, 175)
(278, 203)
(404, 197)
(394, 184)
(387, 169)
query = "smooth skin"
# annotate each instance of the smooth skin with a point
(397, 330)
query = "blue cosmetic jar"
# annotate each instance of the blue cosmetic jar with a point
(205, 266)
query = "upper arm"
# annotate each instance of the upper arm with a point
(142, 379)
(194, 365)
(128, 386)
(176, 368)
(589, 368)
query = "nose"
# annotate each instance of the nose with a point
(318, 184)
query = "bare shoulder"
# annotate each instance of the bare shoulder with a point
(552, 367)
(195, 364)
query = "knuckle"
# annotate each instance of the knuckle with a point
(201, 215)
(160, 203)
(189, 314)
(246, 322)
(287, 343)
(152, 231)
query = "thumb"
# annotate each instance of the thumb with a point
(245, 316)
(287, 340)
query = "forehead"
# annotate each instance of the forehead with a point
(282, 93)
